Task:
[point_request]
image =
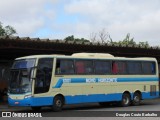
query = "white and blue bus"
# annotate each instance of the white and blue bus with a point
(56, 80)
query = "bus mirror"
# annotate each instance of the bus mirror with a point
(32, 73)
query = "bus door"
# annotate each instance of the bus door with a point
(43, 76)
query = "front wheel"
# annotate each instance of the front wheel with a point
(58, 103)
(126, 100)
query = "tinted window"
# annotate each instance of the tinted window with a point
(149, 68)
(134, 67)
(102, 67)
(26, 63)
(44, 74)
(64, 66)
(84, 67)
(119, 67)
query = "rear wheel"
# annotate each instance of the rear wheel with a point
(136, 99)
(126, 100)
(58, 103)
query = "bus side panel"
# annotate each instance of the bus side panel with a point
(93, 98)
(148, 95)
(102, 98)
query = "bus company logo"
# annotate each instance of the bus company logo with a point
(66, 80)
(107, 80)
(6, 114)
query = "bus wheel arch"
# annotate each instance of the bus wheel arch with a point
(137, 97)
(126, 99)
(58, 102)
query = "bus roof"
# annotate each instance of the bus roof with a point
(95, 55)
(87, 56)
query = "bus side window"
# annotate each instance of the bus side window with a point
(153, 68)
(79, 67)
(134, 67)
(149, 68)
(58, 70)
(114, 68)
(64, 66)
(84, 66)
(102, 67)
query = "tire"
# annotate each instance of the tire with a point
(36, 108)
(58, 103)
(136, 99)
(126, 100)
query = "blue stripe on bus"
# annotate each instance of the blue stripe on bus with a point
(103, 97)
(47, 101)
(61, 81)
(32, 101)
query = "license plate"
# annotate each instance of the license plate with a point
(16, 103)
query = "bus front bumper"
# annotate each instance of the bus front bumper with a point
(20, 102)
(31, 101)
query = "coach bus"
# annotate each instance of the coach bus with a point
(57, 80)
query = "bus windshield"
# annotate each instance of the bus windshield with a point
(21, 74)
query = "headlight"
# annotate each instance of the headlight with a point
(27, 96)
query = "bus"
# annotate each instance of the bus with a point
(58, 80)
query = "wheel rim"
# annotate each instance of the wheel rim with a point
(58, 103)
(126, 100)
(136, 99)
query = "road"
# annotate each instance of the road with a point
(94, 110)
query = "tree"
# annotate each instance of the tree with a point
(144, 44)
(2, 31)
(126, 41)
(103, 35)
(7, 30)
(93, 37)
(130, 41)
(71, 38)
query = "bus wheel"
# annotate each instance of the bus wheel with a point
(58, 103)
(136, 99)
(37, 108)
(126, 100)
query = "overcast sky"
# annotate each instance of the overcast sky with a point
(57, 19)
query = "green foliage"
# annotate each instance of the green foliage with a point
(7, 30)
(144, 44)
(71, 38)
(2, 31)
(127, 41)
